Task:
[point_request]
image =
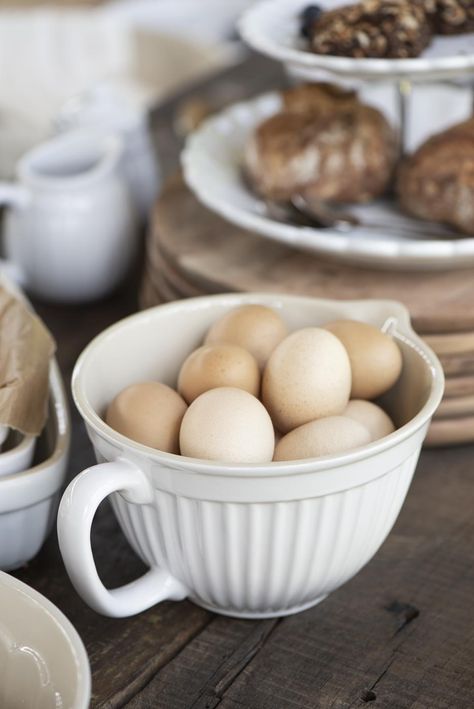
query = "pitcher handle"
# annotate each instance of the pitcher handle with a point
(76, 512)
(17, 197)
(13, 195)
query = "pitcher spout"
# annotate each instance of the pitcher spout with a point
(75, 159)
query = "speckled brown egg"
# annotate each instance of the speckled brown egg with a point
(219, 365)
(327, 436)
(149, 413)
(256, 328)
(227, 425)
(373, 417)
(307, 377)
(376, 360)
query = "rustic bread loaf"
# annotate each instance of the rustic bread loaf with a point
(437, 182)
(336, 149)
(321, 98)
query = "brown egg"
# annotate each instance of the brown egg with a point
(327, 436)
(149, 413)
(373, 417)
(219, 365)
(376, 360)
(278, 435)
(256, 328)
(308, 376)
(227, 425)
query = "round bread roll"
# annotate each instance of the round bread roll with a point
(437, 181)
(345, 152)
(321, 98)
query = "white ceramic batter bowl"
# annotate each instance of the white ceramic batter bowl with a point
(43, 663)
(251, 540)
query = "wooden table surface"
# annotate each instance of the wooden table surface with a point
(400, 634)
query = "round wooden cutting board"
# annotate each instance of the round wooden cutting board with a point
(455, 408)
(450, 431)
(214, 256)
(459, 387)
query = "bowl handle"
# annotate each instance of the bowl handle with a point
(76, 512)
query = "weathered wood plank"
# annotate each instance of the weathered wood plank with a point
(207, 667)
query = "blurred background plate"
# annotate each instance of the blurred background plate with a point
(212, 162)
(143, 49)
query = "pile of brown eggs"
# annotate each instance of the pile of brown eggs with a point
(316, 387)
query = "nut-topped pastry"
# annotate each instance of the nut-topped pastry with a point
(450, 16)
(437, 182)
(395, 29)
(337, 150)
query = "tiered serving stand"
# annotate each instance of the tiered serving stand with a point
(209, 234)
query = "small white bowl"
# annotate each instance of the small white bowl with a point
(29, 498)
(43, 663)
(243, 540)
(18, 457)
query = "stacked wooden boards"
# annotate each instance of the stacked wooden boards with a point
(191, 251)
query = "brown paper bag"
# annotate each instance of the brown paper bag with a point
(26, 348)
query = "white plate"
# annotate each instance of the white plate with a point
(212, 161)
(272, 27)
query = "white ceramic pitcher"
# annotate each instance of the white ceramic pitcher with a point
(70, 230)
(120, 110)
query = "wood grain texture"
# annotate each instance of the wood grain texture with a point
(458, 365)
(459, 386)
(454, 407)
(455, 344)
(210, 252)
(449, 431)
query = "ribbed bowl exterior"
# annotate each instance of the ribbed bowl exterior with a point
(266, 558)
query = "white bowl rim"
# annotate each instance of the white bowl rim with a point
(26, 441)
(83, 693)
(307, 465)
